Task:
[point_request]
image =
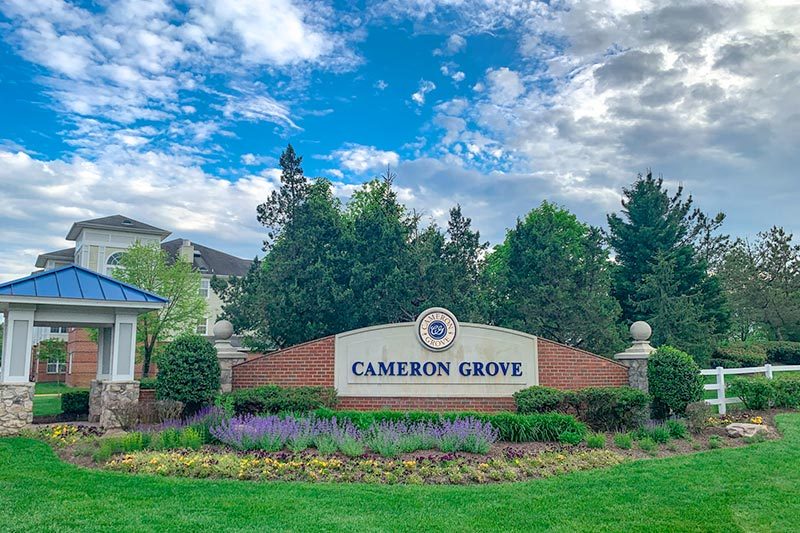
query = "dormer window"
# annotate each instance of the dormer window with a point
(127, 222)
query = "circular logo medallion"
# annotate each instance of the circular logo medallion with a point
(437, 328)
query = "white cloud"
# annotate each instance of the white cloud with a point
(454, 44)
(360, 159)
(505, 85)
(42, 198)
(425, 87)
(381, 85)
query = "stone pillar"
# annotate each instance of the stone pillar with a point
(107, 398)
(226, 354)
(16, 389)
(16, 407)
(636, 357)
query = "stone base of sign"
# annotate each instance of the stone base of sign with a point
(226, 364)
(16, 407)
(106, 399)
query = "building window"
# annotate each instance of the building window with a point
(58, 329)
(112, 263)
(205, 288)
(202, 328)
(56, 367)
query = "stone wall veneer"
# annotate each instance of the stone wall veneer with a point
(16, 407)
(106, 396)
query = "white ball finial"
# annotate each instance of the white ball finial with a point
(641, 330)
(222, 330)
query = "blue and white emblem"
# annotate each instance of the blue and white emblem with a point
(437, 328)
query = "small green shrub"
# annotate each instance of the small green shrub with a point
(147, 383)
(596, 440)
(697, 415)
(787, 392)
(755, 393)
(674, 381)
(75, 403)
(273, 399)
(188, 372)
(538, 400)
(677, 429)
(610, 408)
(623, 441)
(167, 439)
(647, 445)
(714, 442)
(660, 434)
(191, 438)
(571, 437)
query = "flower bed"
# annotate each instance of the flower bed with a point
(421, 469)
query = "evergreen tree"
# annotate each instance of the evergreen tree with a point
(463, 255)
(306, 274)
(550, 277)
(383, 262)
(656, 229)
(280, 208)
(244, 306)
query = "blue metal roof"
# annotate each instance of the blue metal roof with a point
(77, 283)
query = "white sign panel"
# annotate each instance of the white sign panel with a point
(436, 357)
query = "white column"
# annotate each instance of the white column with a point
(105, 344)
(123, 354)
(17, 344)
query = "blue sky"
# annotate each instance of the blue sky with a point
(175, 112)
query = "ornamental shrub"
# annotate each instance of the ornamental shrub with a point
(538, 400)
(674, 381)
(786, 353)
(787, 392)
(610, 408)
(697, 415)
(75, 403)
(511, 427)
(147, 384)
(623, 441)
(188, 372)
(755, 393)
(739, 355)
(272, 399)
(596, 440)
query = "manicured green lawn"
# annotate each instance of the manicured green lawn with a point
(52, 388)
(46, 405)
(744, 489)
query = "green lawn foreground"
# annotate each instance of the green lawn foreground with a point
(754, 488)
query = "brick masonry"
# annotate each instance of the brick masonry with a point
(312, 363)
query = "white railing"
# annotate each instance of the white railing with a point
(720, 373)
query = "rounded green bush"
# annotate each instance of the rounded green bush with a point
(674, 381)
(538, 400)
(756, 393)
(188, 371)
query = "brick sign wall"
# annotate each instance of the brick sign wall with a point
(312, 363)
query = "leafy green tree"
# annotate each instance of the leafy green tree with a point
(280, 208)
(148, 267)
(659, 231)
(762, 283)
(244, 303)
(551, 277)
(50, 350)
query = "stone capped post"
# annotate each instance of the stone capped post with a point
(226, 354)
(636, 357)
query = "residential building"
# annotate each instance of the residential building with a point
(99, 245)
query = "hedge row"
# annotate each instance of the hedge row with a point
(75, 403)
(756, 353)
(602, 408)
(272, 399)
(540, 427)
(762, 393)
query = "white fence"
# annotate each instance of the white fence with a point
(720, 373)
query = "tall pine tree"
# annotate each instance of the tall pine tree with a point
(661, 245)
(281, 206)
